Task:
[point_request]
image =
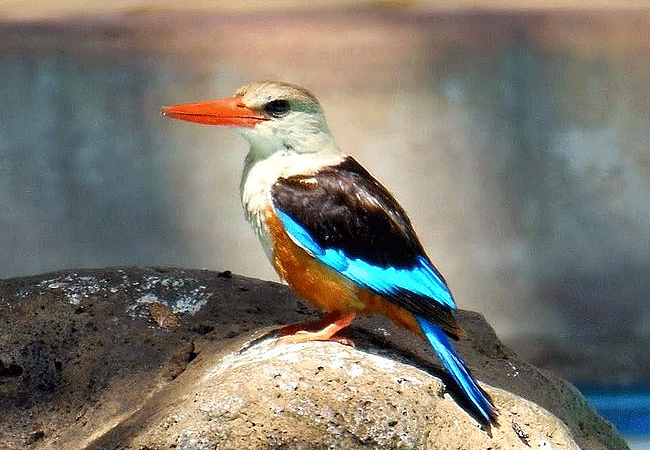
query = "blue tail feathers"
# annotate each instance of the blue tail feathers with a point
(459, 372)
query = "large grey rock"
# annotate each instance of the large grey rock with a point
(158, 359)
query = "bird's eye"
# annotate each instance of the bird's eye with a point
(277, 108)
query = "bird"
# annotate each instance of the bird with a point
(333, 232)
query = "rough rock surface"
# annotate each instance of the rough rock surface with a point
(167, 358)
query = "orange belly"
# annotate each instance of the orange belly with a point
(325, 288)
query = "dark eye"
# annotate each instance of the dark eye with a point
(277, 108)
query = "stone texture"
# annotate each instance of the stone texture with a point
(329, 396)
(166, 358)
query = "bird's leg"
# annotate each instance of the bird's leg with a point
(329, 318)
(324, 330)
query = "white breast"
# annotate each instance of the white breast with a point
(260, 175)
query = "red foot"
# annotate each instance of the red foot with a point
(334, 322)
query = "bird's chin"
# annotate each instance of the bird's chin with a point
(261, 145)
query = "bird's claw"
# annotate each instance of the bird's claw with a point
(309, 336)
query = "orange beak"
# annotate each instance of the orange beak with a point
(227, 111)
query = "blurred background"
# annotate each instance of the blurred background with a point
(517, 137)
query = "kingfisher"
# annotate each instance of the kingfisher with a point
(333, 232)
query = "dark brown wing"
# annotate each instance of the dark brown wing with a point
(349, 221)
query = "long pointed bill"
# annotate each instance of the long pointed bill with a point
(227, 111)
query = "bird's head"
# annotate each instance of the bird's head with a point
(272, 116)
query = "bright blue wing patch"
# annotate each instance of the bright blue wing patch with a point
(421, 279)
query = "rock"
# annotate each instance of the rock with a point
(167, 358)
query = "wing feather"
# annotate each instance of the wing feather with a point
(347, 220)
